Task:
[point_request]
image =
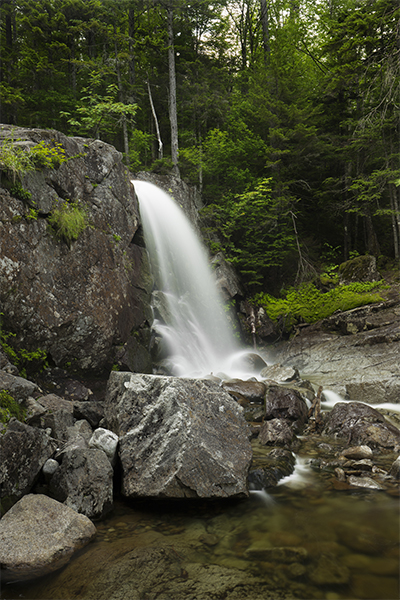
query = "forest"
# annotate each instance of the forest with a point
(283, 113)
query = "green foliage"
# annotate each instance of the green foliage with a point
(18, 191)
(140, 151)
(308, 304)
(255, 229)
(10, 408)
(32, 214)
(14, 160)
(26, 361)
(99, 112)
(69, 221)
(47, 157)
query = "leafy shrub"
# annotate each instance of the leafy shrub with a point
(10, 408)
(308, 304)
(25, 360)
(47, 157)
(68, 221)
(14, 160)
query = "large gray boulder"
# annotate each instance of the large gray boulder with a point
(38, 535)
(178, 437)
(23, 452)
(80, 302)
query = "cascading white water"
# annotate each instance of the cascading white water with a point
(199, 337)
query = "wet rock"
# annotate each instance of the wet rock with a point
(357, 452)
(75, 441)
(252, 391)
(83, 428)
(279, 373)
(288, 404)
(105, 440)
(362, 345)
(288, 554)
(328, 571)
(373, 392)
(363, 539)
(34, 411)
(227, 279)
(362, 425)
(250, 362)
(365, 482)
(18, 387)
(58, 415)
(373, 586)
(269, 466)
(395, 469)
(91, 411)
(160, 572)
(24, 450)
(38, 536)
(178, 437)
(276, 432)
(84, 482)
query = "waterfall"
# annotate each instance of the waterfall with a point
(198, 335)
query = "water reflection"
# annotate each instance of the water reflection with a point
(290, 542)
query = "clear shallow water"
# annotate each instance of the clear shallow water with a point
(303, 541)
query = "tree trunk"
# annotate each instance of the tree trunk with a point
(265, 30)
(395, 220)
(132, 66)
(153, 111)
(173, 115)
(121, 99)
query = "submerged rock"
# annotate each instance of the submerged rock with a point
(39, 535)
(178, 437)
(288, 404)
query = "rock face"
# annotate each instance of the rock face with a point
(38, 535)
(82, 301)
(178, 437)
(354, 353)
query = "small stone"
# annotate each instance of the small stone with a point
(296, 569)
(282, 555)
(395, 469)
(365, 482)
(209, 539)
(328, 570)
(340, 475)
(49, 468)
(358, 452)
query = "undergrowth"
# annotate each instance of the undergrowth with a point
(308, 304)
(10, 408)
(68, 221)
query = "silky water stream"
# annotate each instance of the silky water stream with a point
(305, 538)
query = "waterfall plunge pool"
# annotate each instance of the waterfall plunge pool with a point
(301, 539)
